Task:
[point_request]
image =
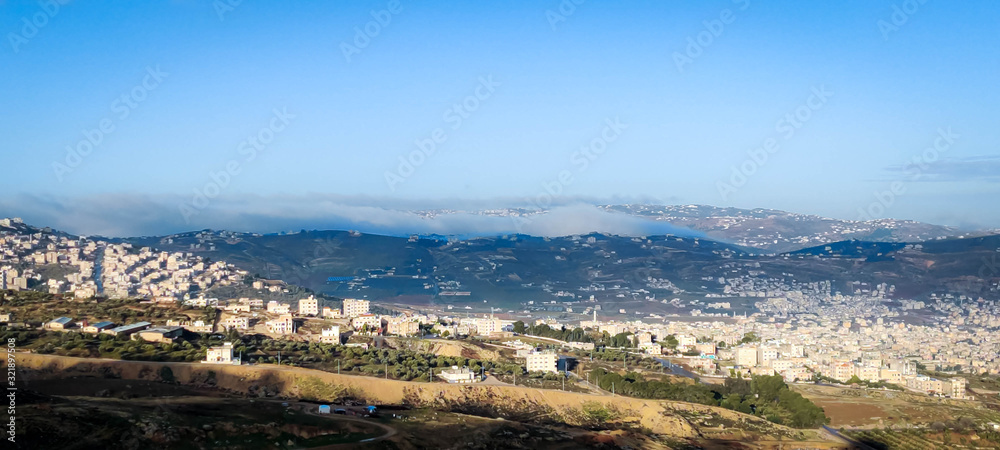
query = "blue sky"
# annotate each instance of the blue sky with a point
(559, 77)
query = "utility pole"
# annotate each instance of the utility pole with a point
(432, 374)
(279, 357)
(386, 371)
(564, 380)
(338, 367)
(612, 389)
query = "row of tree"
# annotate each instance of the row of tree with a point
(765, 396)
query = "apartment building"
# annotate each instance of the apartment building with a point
(543, 361)
(373, 321)
(956, 388)
(404, 327)
(309, 306)
(746, 356)
(236, 322)
(891, 376)
(840, 371)
(354, 307)
(284, 324)
(867, 373)
(330, 335)
(275, 307)
(766, 354)
(221, 355)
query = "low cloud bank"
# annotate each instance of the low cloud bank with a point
(145, 215)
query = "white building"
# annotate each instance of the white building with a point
(282, 325)
(221, 355)
(309, 306)
(274, 307)
(544, 361)
(746, 356)
(354, 307)
(239, 323)
(330, 335)
(373, 321)
(458, 375)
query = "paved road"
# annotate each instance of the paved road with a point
(676, 369)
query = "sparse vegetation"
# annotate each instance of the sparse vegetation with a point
(763, 396)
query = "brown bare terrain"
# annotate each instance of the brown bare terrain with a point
(676, 420)
(863, 408)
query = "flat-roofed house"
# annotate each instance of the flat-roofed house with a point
(221, 355)
(458, 375)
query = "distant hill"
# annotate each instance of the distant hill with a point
(618, 271)
(780, 231)
(518, 268)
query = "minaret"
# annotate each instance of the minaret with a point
(595, 317)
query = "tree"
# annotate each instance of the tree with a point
(519, 327)
(749, 337)
(671, 342)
